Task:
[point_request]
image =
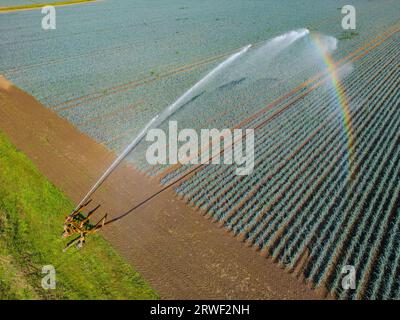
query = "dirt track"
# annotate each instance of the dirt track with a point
(179, 252)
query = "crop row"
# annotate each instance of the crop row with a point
(270, 110)
(305, 180)
(273, 127)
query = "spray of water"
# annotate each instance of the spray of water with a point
(246, 67)
(160, 118)
(257, 63)
(276, 45)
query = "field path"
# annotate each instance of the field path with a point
(179, 252)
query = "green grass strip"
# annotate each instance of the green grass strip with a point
(40, 5)
(32, 211)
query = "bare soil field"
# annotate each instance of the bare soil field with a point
(178, 251)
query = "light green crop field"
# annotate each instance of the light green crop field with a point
(30, 206)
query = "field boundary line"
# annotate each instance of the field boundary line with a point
(33, 6)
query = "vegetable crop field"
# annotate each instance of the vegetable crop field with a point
(325, 109)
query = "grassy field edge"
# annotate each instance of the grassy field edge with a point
(40, 5)
(31, 215)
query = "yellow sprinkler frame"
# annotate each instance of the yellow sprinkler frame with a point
(78, 223)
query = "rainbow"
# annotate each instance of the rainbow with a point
(333, 76)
